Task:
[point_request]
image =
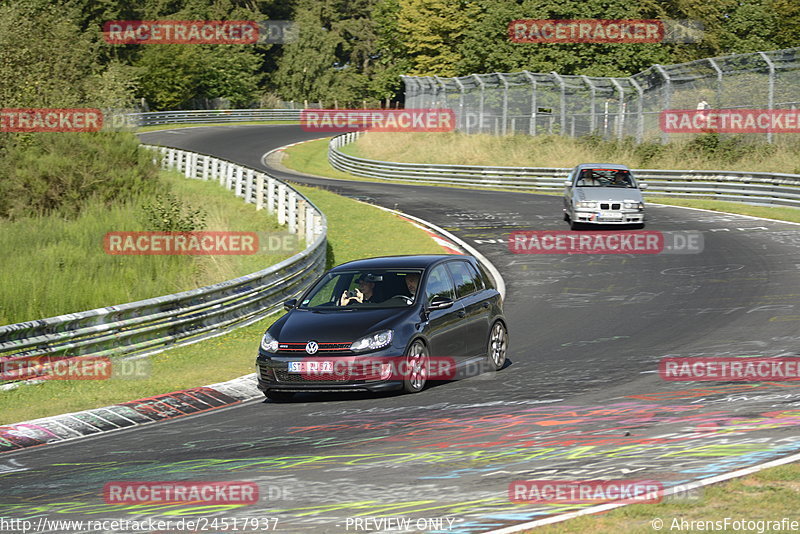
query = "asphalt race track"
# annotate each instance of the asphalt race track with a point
(581, 398)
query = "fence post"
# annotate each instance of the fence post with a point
(593, 93)
(620, 107)
(563, 101)
(639, 110)
(460, 117)
(719, 81)
(667, 96)
(480, 108)
(534, 104)
(505, 102)
(771, 89)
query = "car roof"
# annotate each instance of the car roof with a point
(602, 166)
(399, 262)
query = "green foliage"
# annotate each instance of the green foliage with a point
(167, 213)
(57, 173)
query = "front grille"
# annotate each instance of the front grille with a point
(350, 373)
(323, 347)
(608, 206)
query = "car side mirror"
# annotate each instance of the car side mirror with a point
(642, 186)
(567, 183)
(439, 303)
(290, 304)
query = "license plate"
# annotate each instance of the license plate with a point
(311, 367)
(609, 216)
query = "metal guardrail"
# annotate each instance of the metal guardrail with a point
(756, 187)
(205, 116)
(155, 324)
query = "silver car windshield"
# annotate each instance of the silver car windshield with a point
(376, 288)
(605, 178)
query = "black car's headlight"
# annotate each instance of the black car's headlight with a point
(375, 341)
(269, 343)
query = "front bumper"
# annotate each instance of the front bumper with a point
(633, 216)
(352, 373)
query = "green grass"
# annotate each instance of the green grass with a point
(145, 129)
(54, 266)
(769, 495)
(354, 231)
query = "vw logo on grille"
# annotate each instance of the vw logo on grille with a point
(312, 347)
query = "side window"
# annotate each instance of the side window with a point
(439, 284)
(465, 278)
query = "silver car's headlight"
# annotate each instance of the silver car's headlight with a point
(375, 341)
(633, 205)
(588, 204)
(269, 343)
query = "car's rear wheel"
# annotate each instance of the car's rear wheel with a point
(417, 363)
(279, 396)
(498, 346)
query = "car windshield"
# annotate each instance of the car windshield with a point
(605, 178)
(354, 289)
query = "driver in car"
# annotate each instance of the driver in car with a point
(364, 292)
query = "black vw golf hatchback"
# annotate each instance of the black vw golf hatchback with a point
(386, 323)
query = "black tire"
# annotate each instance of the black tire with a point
(566, 217)
(417, 362)
(574, 225)
(498, 347)
(279, 396)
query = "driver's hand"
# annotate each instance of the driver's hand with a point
(359, 296)
(344, 300)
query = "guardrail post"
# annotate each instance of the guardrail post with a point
(229, 179)
(292, 215)
(249, 186)
(223, 173)
(206, 165)
(281, 204)
(240, 186)
(170, 161)
(301, 217)
(259, 191)
(310, 225)
(271, 194)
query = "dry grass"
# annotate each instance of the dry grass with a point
(554, 151)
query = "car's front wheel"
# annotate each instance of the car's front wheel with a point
(279, 396)
(417, 363)
(498, 346)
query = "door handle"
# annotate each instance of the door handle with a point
(485, 304)
(462, 314)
